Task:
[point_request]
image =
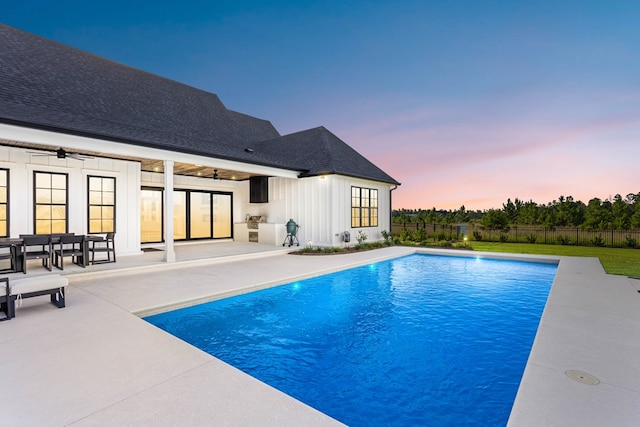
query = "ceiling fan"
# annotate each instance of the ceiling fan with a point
(61, 153)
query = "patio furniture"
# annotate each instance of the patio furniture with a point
(18, 289)
(36, 246)
(73, 246)
(6, 304)
(9, 251)
(106, 245)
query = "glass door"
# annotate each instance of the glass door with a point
(200, 215)
(151, 215)
(196, 215)
(179, 215)
(221, 215)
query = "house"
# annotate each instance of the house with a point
(88, 145)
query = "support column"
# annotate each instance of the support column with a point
(169, 253)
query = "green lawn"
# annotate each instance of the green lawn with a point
(625, 262)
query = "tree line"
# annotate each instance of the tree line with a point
(614, 213)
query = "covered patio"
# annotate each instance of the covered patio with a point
(154, 256)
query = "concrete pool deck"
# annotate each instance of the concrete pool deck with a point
(96, 362)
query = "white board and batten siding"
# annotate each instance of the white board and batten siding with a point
(321, 206)
(22, 164)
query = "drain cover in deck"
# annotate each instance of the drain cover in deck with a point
(582, 377)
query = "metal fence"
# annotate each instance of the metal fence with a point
(522, 234)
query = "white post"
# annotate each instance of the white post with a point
(169, 253)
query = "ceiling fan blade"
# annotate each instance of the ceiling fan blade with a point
(40, 153)
(61, 153)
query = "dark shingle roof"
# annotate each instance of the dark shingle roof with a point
(50, 85)
(47, 85)
(320, 152)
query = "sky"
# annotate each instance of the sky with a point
(467, 102)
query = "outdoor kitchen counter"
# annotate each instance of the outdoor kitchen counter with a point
(267, 233)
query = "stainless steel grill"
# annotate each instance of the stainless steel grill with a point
(252, 225)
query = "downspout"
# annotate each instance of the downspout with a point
(391, 207)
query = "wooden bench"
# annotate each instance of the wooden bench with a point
(17, 289)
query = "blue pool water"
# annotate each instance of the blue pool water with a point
(418, 340)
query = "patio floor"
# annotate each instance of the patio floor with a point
(96, 362)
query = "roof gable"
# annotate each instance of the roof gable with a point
(321, 152)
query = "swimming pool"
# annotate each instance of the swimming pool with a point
(417, 340)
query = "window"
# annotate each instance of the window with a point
(4, 203)
(50, 202)
(364, 207)
(102, 204)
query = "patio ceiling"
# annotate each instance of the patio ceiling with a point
(146, 165)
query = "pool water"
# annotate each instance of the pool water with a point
(418, 340)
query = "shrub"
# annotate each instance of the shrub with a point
(372, 245)
(462, 245)
(564, 240)
(361, 237)
(420, 235)
(630, 242)
(597, 241)
(531, 238)
(316, 250)
(477, 235)
(504, 238)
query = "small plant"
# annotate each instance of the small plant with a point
(404, 235)
(440, 236)
(630, 242)
(462, 245)
(477, 235)
(388, 238)
(504, 238)
(531, 238)
(597, 241)
(564, 240)
(361, 237)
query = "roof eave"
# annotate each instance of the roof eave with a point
(73, 132)
(368, 178)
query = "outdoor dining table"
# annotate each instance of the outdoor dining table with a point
(16, 244)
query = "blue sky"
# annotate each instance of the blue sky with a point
(464, 102)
